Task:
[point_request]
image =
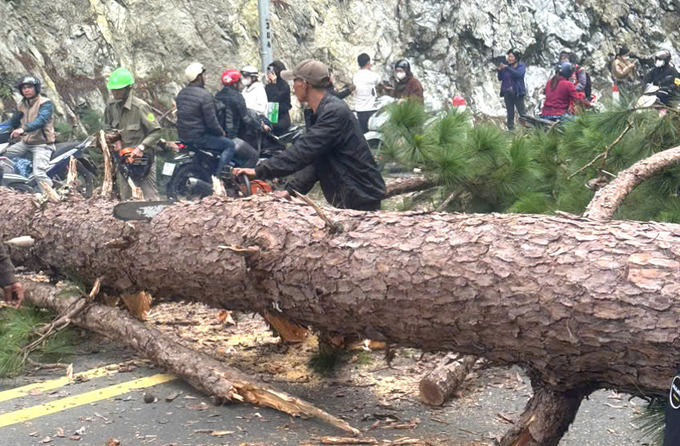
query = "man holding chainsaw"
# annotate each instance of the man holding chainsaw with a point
(139, 134)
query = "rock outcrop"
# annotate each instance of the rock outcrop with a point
(73, 45)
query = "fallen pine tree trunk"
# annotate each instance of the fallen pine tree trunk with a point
(198, 369)
(579, 304)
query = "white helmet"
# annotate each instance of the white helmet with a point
(192, 71)
(249, 71)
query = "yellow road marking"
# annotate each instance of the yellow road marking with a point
(55, 383)
(84, 398)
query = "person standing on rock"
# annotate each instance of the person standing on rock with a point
(623, 71)
(333, 151)
(407, 86)
(366, 83)
(13, 289)
(138, 128)
(33, 123)
(278, 92)
(197, 121)
(253, 90)
(513, 89)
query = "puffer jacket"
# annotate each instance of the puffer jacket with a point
(235, 110)
(196, 114)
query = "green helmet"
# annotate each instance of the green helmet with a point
(119, 79)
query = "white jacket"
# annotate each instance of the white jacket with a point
(256, 97)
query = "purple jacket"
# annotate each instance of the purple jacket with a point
(513, 79)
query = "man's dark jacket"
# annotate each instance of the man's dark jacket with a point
(334, 152)
(196, 113)
(235, 110)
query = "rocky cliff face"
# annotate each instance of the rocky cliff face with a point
(74, 44)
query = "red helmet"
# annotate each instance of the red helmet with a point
(230, 77)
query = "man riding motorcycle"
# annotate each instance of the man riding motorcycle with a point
(197, 121)
(139, 133)
(33, 122)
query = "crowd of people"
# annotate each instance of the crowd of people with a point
(571, 86)
(250, 101)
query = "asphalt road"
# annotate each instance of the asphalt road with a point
(110, 407)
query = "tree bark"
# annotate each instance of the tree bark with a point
(608, 199)
(198, 369)
(574, 301)
(545, 419)
(440, 384)
(404, 186)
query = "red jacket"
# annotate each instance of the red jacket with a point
(558, 101)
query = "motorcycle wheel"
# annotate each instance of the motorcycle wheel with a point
(178, 187)
(21, 187)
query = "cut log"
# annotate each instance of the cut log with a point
(608, 199)
(289, 331)
(404, 186)
(439, 385)
(575, 301)
(198, 369)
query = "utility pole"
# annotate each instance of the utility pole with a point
(265, 34)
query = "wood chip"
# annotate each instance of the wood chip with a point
(344, 440)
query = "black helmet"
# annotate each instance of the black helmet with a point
(32, 80)
(664, 55)
(403, 63)
(566, 69)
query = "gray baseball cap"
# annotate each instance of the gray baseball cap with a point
(312, 71)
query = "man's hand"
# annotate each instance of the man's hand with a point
(137, 153)
(266, 128)
(250, 173)
(17, 133)
(14, 294)
(352, 87)
(282, 194)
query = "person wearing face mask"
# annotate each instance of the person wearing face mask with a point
(407, 85)
(623, 70)
(333, 151)
(662, 71)
(253, 90)
(138, 128)
(278, 91)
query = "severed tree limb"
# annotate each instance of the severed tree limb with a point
(545, 419)
(218, 187)
(72, 175)
(449, 199)
(200, 370)
(407, 185)
(107, 185)
(440, 384)
(608, 199)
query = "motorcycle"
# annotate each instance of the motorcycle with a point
(658, 96)
(264, 141)
(191, 172)
(374, 137)
(18, 172)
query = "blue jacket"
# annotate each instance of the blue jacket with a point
(44, 115)
(513, 79)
